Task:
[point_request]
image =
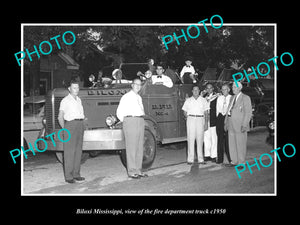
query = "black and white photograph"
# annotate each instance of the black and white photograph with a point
(163, 110)
(149, 120)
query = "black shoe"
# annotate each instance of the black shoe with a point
(143, 175)
(79, 178)
(207, 158)
(72, 181)
(134, 176)
(189, 163)
(229, 165)
(202, 163)
(213, 160)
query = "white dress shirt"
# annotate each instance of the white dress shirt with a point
(195, 106)
(72, 108)
(131, 104)
(222, 104)
(163, 79)
(187, 69)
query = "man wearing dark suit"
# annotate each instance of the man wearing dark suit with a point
(237, 122)
(222, 106)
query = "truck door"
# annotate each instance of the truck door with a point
(160, 103)
(184, 91)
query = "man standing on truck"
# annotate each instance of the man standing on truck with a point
(71, 116)
(131, 112)
(196, 111)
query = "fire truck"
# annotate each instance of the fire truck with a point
(164, 119)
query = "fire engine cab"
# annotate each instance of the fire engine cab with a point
(164, 120)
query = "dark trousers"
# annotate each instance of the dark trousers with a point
(223, 143)
(73, 149)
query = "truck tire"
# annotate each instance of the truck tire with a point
(149, 154)
(59, 157)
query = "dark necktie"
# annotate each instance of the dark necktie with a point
(234, 100)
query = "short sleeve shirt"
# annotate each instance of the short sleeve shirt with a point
(72, 108)
(131, 104)
(165, 80)
(195, 106)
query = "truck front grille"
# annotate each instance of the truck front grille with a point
(57, 101)
(51, 117)
(48, 114)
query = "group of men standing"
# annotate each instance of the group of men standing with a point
(220, 121)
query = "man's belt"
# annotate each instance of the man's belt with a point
(196, 115)
(134, 116)
(74, 120)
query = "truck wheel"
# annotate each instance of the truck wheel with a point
(149, 150)
(59, 157)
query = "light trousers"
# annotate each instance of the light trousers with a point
(237, 146)
(195, 132)
(133, 128)
(210, 142)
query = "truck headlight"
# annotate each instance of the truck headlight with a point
(272, 125)
(44, 121)
(111, 120)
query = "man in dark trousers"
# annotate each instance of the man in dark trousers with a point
(71, 116)
(222, 106)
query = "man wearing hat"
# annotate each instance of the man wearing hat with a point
(188, 72)
(117, 75)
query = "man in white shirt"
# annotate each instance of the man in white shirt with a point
(131, 112)
(222, 107)
(160, 78)
(210, 135)
(117, 75)
(187, 73)
(195, 110)
(71, 116)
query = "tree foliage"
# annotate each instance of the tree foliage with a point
(243, 46)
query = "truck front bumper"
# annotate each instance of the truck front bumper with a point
(98, 139)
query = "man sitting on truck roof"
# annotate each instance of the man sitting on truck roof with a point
(160, 78)
(117, 75)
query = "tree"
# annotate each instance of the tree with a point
(244, 46)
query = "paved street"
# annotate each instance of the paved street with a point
(169, 174)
